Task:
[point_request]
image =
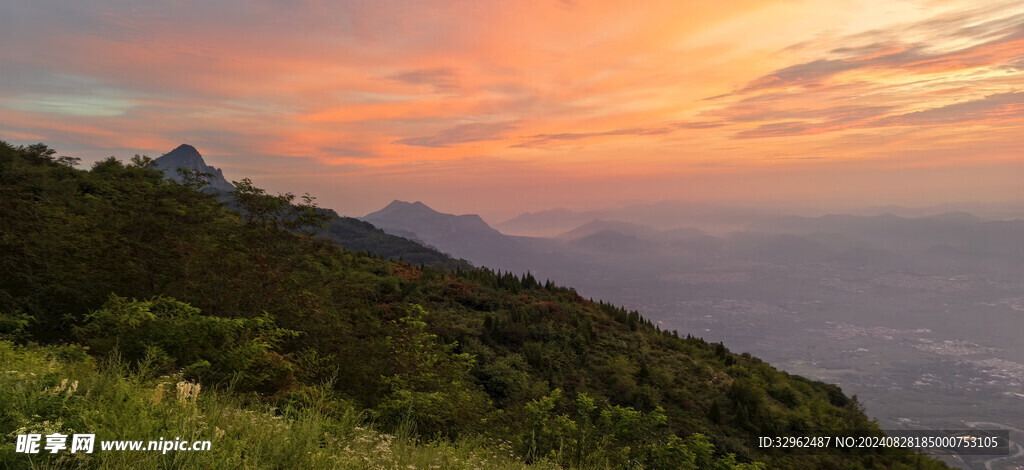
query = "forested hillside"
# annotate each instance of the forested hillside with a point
(184, 164)
(127, 284)
(356, 235)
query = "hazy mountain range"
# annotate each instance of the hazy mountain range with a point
(933, 242)
(919, 315)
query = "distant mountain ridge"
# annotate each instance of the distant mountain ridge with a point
(663, 215)
(545, 223)
(401, 216)
(463, 236)
(956, 229)
(186, 156)
(603, 244)
(355, 234)
(600, 225)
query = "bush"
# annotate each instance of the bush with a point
(430, 386)
(13, 325)
(166, 334)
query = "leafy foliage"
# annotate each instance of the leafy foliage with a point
(169, 335)
(49, 393)
(430, 386)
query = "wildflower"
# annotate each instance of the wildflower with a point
(158, 394)
(187, 392)
(62, 387)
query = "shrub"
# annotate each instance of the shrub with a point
(166, 334)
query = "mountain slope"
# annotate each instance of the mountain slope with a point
(351, 233)
(172, 283)
(616, 243)
(357, 235)
(462, 236)
(426, 222)
(598, 225)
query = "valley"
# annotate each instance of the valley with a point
(926, 339)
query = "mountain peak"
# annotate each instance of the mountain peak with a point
(417, 216)
(183, 156)
(396, 204)
(186, 156)
(400, 203)
(185, 148)
(464, 235)
(404, 209)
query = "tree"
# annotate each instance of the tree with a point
(429, 384)
(275, 213)
(194, 178)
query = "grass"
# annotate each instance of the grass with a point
(50, 389)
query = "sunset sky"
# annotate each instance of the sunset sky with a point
(498, 107)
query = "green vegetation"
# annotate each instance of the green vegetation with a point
(310, 355)
(351, 233)
(45, 391)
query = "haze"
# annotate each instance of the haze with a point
(504, 107)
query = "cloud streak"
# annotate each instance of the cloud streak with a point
(473, 132)
(391, 87)
(915, 58)
(998, 108)
(541, 140)
(441, 78)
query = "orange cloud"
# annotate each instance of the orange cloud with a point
(580, 91)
